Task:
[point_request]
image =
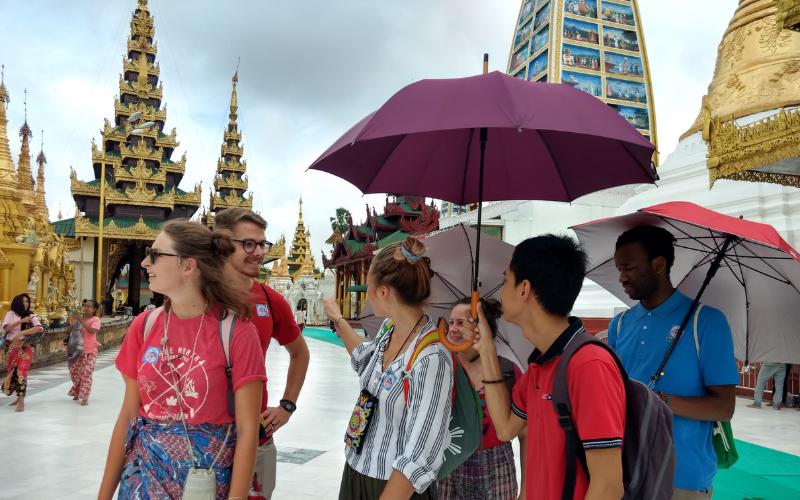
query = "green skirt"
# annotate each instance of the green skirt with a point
(357, 486)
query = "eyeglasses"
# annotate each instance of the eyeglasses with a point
(153, 253)
(250, 246)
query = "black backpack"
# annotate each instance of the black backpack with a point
(648, 452)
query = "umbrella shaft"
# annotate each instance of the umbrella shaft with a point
(712, 270)
(484, 132)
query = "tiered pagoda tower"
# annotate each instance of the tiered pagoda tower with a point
(300, 257)
(141, 182)
(594, 45)
(41, 201)
(230, 182)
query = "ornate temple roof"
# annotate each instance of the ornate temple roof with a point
(6, 163)
(757, 71)
(142, 179)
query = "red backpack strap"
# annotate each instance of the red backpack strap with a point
(428, 339)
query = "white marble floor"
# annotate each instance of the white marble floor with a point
(56, 449)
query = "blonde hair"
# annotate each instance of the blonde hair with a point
(404, 267)
(228, 218)
(210, 249)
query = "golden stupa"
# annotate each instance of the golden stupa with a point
(33, 259)
(748, 117)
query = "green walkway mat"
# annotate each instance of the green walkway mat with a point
(323, 334)
(759, 474)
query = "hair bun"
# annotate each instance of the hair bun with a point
(411, 250)
(221, 243)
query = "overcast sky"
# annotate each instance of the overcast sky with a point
(309, 70)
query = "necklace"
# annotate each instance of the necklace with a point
(391, 359)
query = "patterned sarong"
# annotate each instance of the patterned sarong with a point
(157, 458)
(487, 474)
(18, 362)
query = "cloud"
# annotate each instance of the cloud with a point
(308, 71)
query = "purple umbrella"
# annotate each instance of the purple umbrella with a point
(537, 141)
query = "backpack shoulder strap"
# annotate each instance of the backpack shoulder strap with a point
(226, 327)
(563, 407)
(696, 338)
(619, 321)
(427, 339)
(149, 320)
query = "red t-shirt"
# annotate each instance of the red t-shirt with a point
(598, 411)
(198, 357)
(273, 318)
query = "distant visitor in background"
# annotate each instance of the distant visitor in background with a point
(766, 372)
(489, 474)
(273, 318)
(17, 324)
(82, 369)
(395, 444)
(300, 318)
(193, 373)
(700, 379)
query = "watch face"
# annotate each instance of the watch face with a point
(288, 406)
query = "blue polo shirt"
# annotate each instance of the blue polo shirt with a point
(642, 341)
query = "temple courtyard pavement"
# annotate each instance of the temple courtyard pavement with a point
(56, 449)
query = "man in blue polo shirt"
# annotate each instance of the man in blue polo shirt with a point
(699, 384)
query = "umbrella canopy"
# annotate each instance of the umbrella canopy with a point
(757, 285)
(452, 254)
(543, 142)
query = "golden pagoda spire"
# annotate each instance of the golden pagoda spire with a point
(41, 201)
(24, 176)
(6, 163)
(234, 100)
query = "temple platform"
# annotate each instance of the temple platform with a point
(56, 449)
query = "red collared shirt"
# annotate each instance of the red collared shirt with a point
(597, 395)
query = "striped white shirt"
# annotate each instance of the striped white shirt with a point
(409, 436)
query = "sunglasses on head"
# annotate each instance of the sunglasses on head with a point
(250, 246)
(154, 253)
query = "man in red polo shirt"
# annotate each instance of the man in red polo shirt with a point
(540, 287)
(273, 318)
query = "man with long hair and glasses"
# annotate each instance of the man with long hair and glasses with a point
(273, 318)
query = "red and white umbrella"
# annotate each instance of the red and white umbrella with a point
(744, 268)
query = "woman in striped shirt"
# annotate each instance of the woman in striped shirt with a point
(396, 451)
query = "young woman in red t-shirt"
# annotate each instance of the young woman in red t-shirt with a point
(490, 471)
(175, 412)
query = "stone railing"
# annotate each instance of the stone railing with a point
(51, 348)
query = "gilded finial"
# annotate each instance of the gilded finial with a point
(3, 92)
(41, 159)
(25, 131)
(236, 73)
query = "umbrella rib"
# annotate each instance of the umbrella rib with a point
(450, 286)
(746, 312)
(705, 260)
(730, 264)
(555, 165)
(598, 266)
(783, 279)
(466, 167)
(712, 235)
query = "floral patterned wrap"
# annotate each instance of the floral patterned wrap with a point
(157, 458)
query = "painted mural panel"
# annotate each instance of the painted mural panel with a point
(542, 17)
(617, 38)
(585, 8)
(624, 90)
(540, 40)
(616, 13)
(539, 64)
(580, 57)
(621, 64)
(523, 33)
(520, 73)
(638, 117)
(520, 56)
(581, 31)
(591, 84)
(526, 11)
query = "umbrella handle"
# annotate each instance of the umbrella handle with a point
(443, 328)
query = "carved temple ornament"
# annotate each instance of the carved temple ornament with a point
(140, 172)
(233, 200)
(135, 67)
(231, 149)
(140, 151)
(177, 167)
(754, 152)
(233, 165)
(142, 90)
(149, 113)
(234, 135)
(230, 181)
(189, 198)
(789, 14)
(143, 45)
(138, 231)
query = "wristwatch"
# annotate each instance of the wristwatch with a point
(287, 405)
